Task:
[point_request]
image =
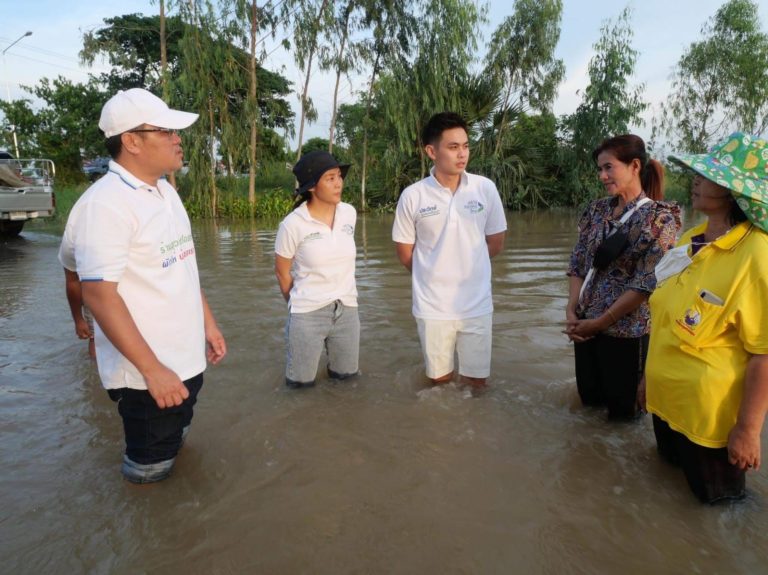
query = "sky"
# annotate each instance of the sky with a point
(663, 30)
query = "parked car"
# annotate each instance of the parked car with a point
(96, 168)
(26, 192)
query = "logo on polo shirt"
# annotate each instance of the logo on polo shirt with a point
(348, 229)
(474, 207)
(173, 245)
(177, 250)
(313, 236)
(691, 321)
(429, 211)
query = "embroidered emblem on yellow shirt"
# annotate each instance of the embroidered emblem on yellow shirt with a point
(691, 321)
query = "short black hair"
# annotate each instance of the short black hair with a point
(114, 146)
(439, 123)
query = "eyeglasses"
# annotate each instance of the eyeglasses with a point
(168, 132)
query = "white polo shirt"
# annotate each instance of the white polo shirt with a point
(323, 268)
(451, 266)
(124, 230)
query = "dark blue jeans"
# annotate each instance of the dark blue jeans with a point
(153, 434)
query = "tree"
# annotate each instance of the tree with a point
(257, 19)
(312, 18)
(721, 82)
(609, 105)
(313, 145)
(65, 126)
(252, 112)
(344, 58)
(20, 114)
(521, 58)
(434, 81)
(132, 45)
(392, 26)
(212, 69)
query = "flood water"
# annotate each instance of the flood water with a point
(379, 475)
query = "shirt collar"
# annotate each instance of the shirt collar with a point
(464, 180)
(303, 211)
(731, 239)
(129, 179)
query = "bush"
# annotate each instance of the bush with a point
(677, 185)
(274, 196)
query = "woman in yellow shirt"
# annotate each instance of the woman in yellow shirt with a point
(707, 366)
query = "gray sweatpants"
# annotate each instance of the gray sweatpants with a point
(335, 328)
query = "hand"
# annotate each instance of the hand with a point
(744, 448)
(641, 395)
(216, 347)
(165, 387)
(584, 329)
(81, 328)
(571, 320)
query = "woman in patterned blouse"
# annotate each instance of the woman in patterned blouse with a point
(607, 314)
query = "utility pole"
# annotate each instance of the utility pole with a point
(8, 87)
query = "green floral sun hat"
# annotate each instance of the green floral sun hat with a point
(739, 163)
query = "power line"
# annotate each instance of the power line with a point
(59, 66)
(43, 51)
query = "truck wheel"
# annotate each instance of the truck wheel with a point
(10, 229)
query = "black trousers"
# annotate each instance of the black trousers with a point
(153, 434)
(608, 371)
(710, 475)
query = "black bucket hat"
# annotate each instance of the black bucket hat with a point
(312, 165)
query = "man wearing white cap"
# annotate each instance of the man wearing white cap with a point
(129, 239)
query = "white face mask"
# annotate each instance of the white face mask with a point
(672, 263)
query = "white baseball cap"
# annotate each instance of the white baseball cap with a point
(131, 108)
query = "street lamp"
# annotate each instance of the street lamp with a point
(8, 85)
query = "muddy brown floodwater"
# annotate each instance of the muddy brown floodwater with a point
(379, 475)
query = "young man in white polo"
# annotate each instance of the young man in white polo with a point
(447, 228)
(129, 239)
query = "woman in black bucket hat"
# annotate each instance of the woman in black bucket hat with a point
(315, 266)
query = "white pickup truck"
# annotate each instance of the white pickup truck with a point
(26, 192)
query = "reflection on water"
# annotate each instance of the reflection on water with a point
(378, 475)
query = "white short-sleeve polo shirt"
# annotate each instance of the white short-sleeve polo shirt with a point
(451, 272)
(123, 230)
(323, 268)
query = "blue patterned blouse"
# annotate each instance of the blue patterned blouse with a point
(652, 230)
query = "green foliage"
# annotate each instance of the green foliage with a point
(213, 80)
(609, 105)
(312, 17)
(131, 44)
(209, 77)
(65, 126)
(313, 145)
(66, 196)
(419, 58)
(721, 82)
(521, 58)
(274, 197)
(677, 184)
(20, 114)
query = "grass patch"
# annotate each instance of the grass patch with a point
(274, 196)
(66, 196)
